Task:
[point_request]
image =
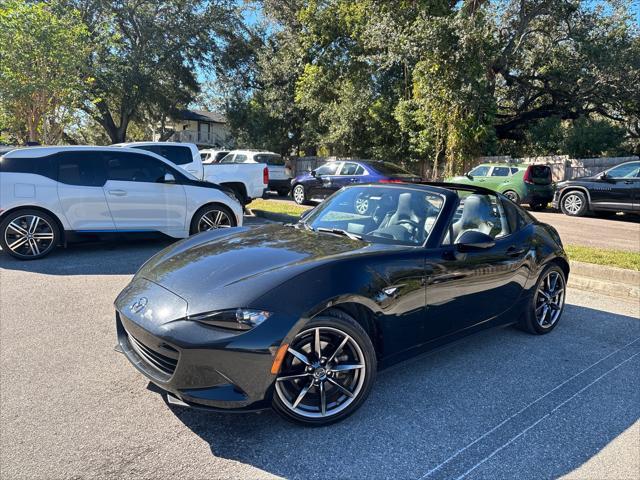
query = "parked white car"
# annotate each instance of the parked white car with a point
(210, 155)
(49, 195)
(279, 175)
(247, 182)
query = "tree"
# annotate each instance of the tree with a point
(42, 50)
(146, 55)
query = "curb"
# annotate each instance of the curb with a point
(611, 281)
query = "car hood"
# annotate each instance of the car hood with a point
(227, 269)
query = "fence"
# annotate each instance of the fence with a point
(562, 167)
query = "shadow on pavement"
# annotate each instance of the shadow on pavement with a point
(500, 404)
(115, 257)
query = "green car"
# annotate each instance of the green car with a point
(531, 184)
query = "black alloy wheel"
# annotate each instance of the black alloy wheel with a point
(29, 234)
(327, 372)
(547, 302)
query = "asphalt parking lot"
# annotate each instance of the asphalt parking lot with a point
(501, 404)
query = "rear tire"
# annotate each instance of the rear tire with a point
(327, 375)
(513, 196)
(546, 304)
(29, 234)
(574, 203)
(212, 217)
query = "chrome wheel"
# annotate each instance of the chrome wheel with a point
(29, 236)
(362, 205)
(572, 203)
(549, 299)
(322, 374)
(214, 219)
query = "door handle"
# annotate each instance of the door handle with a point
(117, 193)
(515, 251)
(353, 180)
(628, 182)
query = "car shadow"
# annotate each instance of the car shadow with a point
(500, 404)
(111, 257)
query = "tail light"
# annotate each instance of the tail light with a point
(527, 178)
(265, 176)
(390, 180)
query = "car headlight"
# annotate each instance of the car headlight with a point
(235, 319)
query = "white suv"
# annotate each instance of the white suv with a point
(48, 194)
(279, 174)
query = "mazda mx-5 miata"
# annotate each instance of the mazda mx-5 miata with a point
(300, 317)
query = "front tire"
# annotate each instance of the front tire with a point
(547, 302)
(327, 372)
(212, 217)
(29, 234)
(574, 203)
(299, 195)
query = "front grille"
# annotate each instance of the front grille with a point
(156, 360)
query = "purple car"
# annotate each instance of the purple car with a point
(332, 176)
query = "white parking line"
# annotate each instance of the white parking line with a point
(545, 416)
(523, 409)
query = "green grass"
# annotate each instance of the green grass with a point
(285, 208)
(601, 256)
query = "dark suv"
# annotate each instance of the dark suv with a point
(614, 190)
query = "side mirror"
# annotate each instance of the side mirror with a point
(473, 240)
(469, 176)
(169, 178)
(604, 176)
(313, 173)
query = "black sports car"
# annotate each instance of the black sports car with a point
(614, 190)
(302, 316)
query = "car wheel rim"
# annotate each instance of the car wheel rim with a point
(212, 220)
(572, 204)
(511, 196)
(362, 205)
(549, 299)
(298, 194)
(29, 235)
(322, 374)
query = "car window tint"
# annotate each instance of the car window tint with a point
(45, 166)
(386, 168)
(500, 172)
(327, 169)
(626, 170)
(129, 167)
(349, 168)
(81, 168)
(514, 170)
(219, 156)
(204, 156)
(174, 153)
(481, 213)
(228, 158)
(359, 170)
(481, 171)
(239, 158)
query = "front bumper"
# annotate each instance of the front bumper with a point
(555, 204)
(200, 365)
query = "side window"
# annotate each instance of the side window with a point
(239, 158)
(129, 167)
(349, 168)
(480, 213)
(45, 166)
(327, 169)
(359, 170)
(500, 172)
(517, 218)
(174, 153)
(626, 170)
(228, 158)
(514, 170)
(481, 171)
(219, 156)
(81, 168)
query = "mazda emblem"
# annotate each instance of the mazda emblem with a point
(139, 305)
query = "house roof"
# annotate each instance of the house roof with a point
(201, 115)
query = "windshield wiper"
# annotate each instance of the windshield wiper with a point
(339, 231)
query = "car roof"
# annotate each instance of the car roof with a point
(152, 144)
(489, 164)
(35, 152)
(254, 152)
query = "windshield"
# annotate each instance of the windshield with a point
(386, 168)
(379, 214)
